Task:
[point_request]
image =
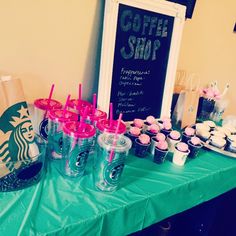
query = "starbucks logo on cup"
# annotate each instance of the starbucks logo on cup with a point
(77, 162)
(43, 129)
(113, 171)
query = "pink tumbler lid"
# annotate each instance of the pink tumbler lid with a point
(62, 116)
(75, 103)
(105, 126)
(73, 129)
(98, 115)
(44, 104)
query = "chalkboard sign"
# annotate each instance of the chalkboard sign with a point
(139, 57)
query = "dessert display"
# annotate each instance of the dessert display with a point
(155, 139)
(160, 151)
(142, 144)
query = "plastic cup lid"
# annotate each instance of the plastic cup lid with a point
(98, 115)
(62, 116)
(72, 128)
(75, 103)
(105, 126)
(42, 103)
(123, 143)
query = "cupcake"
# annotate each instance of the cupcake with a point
(137, 123)
(217, 142)
(202, 126)
(187, 134)
(218, 134)
(155, 140)
(161, 150)
(142, 144)
(223, 130)
(231, 128)
(172, 139)
(194, 146)
(231, 147)
(204, 135)
(133, 133)
(210, 123)
(150, 120)
(152, 130)
(180, 154)
(167, 128)
(230, 139)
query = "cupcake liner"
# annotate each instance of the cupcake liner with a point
(194, 150)
(141, 149)
(159, 155)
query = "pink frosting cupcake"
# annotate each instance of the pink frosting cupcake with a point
(150, 120)
(161, 150)
(195, 145)
(182, 147)
(138, 123)
(152, 130)
(142, 144)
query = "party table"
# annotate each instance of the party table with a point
(148, 193)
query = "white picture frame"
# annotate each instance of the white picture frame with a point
(109, 42)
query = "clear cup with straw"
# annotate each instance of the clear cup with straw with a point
(109, 162)
(77, 140)
(57, 117)
(42, 106)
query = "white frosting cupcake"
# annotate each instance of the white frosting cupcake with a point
(217, 142)
(218, 134)
(203, 134)
(210, 123)
(231, 128)
(223, 130)
(202, 126)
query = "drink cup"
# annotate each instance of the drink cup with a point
(107, 173)
(57, 118)
(42, 107)
(77, 141)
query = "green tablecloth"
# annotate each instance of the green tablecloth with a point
(148, 193)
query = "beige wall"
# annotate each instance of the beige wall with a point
(58, 41)
(208, 45)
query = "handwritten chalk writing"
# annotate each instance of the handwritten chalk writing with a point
(126, 83)
(129, 72)
(121, 94)
(146, 25)
(125, 99)
(118, 111)
(140, 48)
(144, 109)
(125, 104)
(125, 78)
(136, 93)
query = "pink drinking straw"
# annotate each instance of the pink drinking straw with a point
(49, 99)
(111, 114)
(115, 138)
(82, 121)
(66, 105)
(79, 98)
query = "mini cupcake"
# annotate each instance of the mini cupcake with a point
(161, 150)
(202, 126)
(231, 128)
(138, 123)
(133, 133)
(204, 135)
(210, 123)
(223, 130)
(187, 134)
(150, 120)
(142, 144)
(217, 142)
(167, 128)
(194, 146)
(218, 134)
(173, 138)
(180, 154)
(152, 130)
(231, 147)
(155, 140)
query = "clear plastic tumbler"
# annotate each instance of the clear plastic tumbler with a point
(107, 173)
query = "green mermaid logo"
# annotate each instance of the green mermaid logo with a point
(17, 144)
